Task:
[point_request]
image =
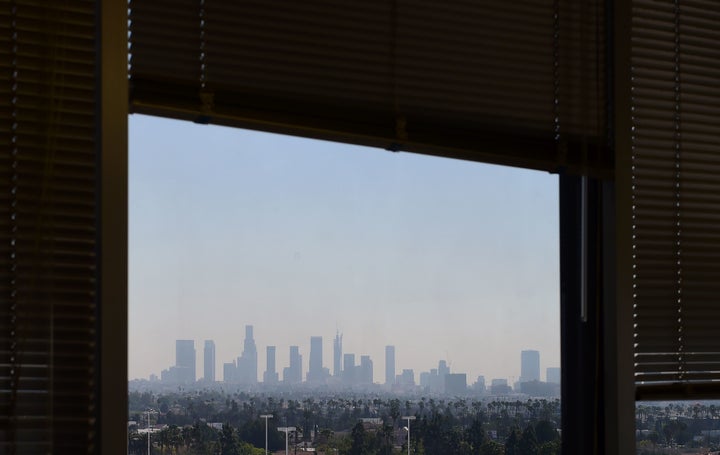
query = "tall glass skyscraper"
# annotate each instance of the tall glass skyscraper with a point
(270, 376)
(337, 355)
(389, 365)
(315, 370)
(529, 366)
(185, 361)
(209, 361)
(247, 372)
(293, 373)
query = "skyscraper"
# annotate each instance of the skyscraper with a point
(209, 361)
(529, 366)
(443, 370)
(293, 373)
(407, 377)
(366, 370)
(270, 376)
(337, 355)
(185, 361)
(348, 369)
(552, 375)
(247, 363)
(455, 384)
(314, 373)
(229, 372)
(389, 365)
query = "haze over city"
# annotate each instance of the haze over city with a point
(302, 238)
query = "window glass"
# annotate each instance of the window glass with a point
(333, 285)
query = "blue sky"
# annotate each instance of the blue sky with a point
(442, 258)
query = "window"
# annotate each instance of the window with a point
(302, 238)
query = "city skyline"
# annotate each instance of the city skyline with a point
(318, 373)
(434, 256)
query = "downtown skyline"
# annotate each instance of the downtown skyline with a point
(316, 365)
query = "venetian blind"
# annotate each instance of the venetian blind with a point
(676, 197)
(519, 83)
(47, 226)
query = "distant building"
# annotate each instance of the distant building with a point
(229, 370)
(315, 369)
(455, 384)
(389, 365)
(184, 371)
(365, 375)
(247, 372)
(499, 387)
(209, 361)
(434, 380)
(540, 389)
(529, 366)
(337, 355)
(479, 385)
(348, 369)
(406, 378)
(270, 376)
(293, 373)
(552, 375)
(443, 369)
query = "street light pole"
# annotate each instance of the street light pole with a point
(408, 418)
(148, 411)
(266, 417)
(286, 430)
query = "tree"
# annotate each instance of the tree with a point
(203, 439)
(359, 443)
(545, 432)
(528, 444)
(491, 448)
(475, 434)
(550, 448)
(512, 441)
(229, 442)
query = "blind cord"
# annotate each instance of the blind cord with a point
(678, 215)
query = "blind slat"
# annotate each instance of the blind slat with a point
(676, 207)
(461, 79)
(48, 230)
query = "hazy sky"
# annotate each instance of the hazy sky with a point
(445, 259)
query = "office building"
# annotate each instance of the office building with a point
(529, 366)
(389, 365)
(455, 384)
(315, 369)
(270, 376)
(209, 361)
(184, 361)
(499, 387)
(293, 373)
(365, 373)
(348, 369)
(406, 378)
(443, 369)
(229, 370)
(337, 355)
(247, 362)
(552, 375)
(479, 385)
